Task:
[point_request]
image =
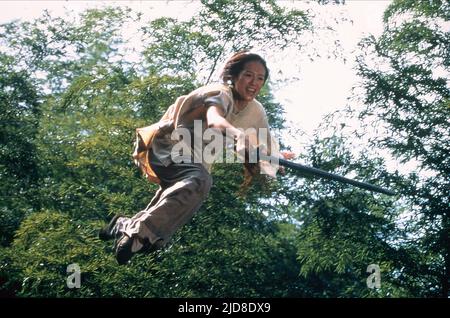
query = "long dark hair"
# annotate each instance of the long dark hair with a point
(235, 64)
(233, 67)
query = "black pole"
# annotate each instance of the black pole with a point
(332, 176)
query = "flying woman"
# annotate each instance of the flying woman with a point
(228, 108)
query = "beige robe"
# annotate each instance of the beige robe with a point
(192, 107)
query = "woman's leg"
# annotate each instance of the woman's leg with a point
(184, 187)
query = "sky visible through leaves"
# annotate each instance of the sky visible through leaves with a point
(300, 88)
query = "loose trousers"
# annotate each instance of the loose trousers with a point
(183, 188)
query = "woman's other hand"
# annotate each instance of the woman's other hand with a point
(287, 155)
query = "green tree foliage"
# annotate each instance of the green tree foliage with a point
(57, 50)
(91, 104)
(19, 115)
(48, 242)
(293, 237)
(405, 75)
(199, 46)
(340, 229)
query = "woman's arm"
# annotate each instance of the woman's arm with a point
(215, 119)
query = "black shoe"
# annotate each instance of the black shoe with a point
(147, 248)
(106, 233)
(123, 250)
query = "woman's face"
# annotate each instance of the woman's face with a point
(250, 80)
